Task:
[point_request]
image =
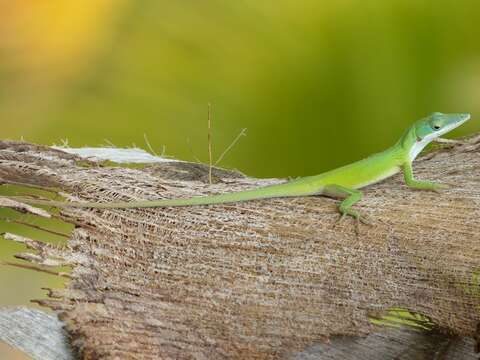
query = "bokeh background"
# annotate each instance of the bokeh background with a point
(316, 83)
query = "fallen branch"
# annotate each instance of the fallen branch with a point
(262, 279)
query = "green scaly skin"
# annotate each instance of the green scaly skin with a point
(343, 182)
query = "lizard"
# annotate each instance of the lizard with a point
(343, 182)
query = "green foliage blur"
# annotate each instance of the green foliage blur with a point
(317, 83)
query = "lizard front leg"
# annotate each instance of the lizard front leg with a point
(417, 184)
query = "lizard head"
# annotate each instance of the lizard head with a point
(437, 124)
(428, 129)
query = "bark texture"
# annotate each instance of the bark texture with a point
(257, 280)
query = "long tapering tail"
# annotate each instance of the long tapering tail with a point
(272, 191)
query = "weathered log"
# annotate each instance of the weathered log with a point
(42, 337)
(263, 279)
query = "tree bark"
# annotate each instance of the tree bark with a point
(263, 279)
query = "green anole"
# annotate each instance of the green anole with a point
(342, 182)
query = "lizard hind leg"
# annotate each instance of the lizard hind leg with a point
(349, 198)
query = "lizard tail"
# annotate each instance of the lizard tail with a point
(272, 191)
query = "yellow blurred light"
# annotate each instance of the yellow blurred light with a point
(52, 38)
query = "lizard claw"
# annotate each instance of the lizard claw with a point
(359, 218)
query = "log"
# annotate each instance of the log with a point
(266, 279)
(42, 337)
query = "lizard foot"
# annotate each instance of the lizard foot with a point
(359, 218)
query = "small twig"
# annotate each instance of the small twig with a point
(242, 133)
(53, 232)
(148, 144)
(211, 164)
(35, 268)
(210, 161)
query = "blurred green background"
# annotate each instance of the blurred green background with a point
(316, 83)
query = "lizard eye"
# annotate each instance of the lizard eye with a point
(436, 127)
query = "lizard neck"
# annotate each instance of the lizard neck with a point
(409, 147)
